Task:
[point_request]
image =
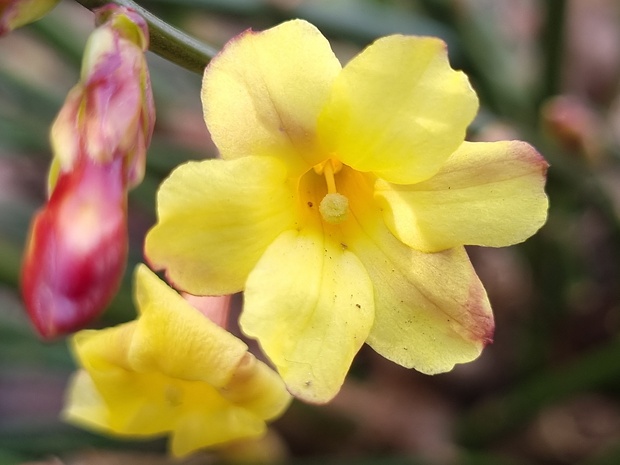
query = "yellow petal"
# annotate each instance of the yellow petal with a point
(148, 404)
(132, 400)
(309, 302)
(489, 194)
(139, 404)
(263, 92)
(216, 218)
(398, 109)
(83, 404)
(175, 339)
(431, 310)
(203, 429)
(257, 388)
(100, 349)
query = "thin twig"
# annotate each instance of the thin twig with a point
(165, 40)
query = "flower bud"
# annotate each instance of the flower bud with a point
(17, 13)
(110, 113)
(77, 248)
(573, 125)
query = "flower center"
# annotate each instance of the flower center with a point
(334, 206)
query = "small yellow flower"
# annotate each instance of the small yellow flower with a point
(171, 371)
(342, 204)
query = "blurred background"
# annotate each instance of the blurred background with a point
(546, 392)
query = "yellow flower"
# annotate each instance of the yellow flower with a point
(342, 204)
(171, 370)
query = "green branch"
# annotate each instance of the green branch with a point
(553, 46)
(499, 416)
(165, 40)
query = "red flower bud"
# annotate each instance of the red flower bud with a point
(77, 248)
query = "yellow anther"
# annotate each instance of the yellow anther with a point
(334, 206)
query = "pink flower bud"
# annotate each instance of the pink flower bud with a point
(77, 248)
(110, 113)
(17, 13)
(574, 125)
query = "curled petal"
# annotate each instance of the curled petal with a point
(263, 92)
(257, 388)
(487, 193)
(203, 351)
(398, 110)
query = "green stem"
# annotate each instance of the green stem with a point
(553, 42)
(165, 40)
(497, 417)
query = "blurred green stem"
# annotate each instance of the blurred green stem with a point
(165, 40)
(497, 418)
(553, 41)
(10, 263)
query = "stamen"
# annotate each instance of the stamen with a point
(328, 172)
(334, 206)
